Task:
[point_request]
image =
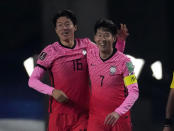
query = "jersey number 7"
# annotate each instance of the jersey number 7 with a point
(102, 77)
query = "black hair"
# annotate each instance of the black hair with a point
(67, 13)
(107, 24)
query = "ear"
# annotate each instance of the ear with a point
(75, 27)
(115, 38)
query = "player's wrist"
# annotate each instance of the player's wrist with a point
(168, 122)
(117, 111)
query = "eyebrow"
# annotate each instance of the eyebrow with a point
(103, 32)
(64, 22)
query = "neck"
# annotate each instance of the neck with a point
(106, 54)
(68, 43)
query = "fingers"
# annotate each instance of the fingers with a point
(123, 28)
(114, 122)
(60, 96)
(63, 98)
(106, 119)
(110, 121)
(63, 94)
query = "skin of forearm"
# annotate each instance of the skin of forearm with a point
(170, 104)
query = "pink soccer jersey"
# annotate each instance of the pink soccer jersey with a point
(68, 70)
(69, 73)
(108, 90)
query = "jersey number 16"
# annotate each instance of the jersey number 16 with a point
(77, 65)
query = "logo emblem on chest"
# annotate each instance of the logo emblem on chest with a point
(84, 52)
(112, 70)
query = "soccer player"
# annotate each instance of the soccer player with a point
(66, 62)
(169, 108)
(113, 83)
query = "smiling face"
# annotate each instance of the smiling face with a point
(65, 28)
(104, 40)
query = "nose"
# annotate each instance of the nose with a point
(103, 38)
(64, 27)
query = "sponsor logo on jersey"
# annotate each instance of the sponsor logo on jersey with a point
(42, 56)
(112, 70)
(92, 64)
(84, 52)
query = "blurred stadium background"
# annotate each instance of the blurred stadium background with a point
(26, 28)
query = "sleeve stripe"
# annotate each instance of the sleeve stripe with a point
(41, 67)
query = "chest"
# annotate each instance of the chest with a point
(69, 63)
(105, 74)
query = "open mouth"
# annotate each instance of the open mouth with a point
(103, 44)
(65, 33)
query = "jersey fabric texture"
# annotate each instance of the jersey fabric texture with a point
(68, 72)
(108, 90)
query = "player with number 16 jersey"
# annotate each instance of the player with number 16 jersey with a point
(66, 62)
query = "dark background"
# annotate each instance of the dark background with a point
(26, 29)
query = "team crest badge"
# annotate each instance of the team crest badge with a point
(84, 52)
(112, 70)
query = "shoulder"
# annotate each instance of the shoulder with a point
(127, 63)
(82, 41)
(49, 50)
(124, 61)
(50, 47)
(122, 56)
(85, 42)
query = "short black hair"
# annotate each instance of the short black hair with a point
(65, 13)
(109, 25)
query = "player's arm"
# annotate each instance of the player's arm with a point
(90, 44)
(35, 82)
(131, 84)
(121, 36)
(133, 93)
(169, 108)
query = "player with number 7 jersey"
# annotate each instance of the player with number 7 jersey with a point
(113, 83)
(66, 62)
(68, 71)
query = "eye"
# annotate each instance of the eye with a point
(59, 25)
(67, 24)
(99, 35)
(107, 35)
